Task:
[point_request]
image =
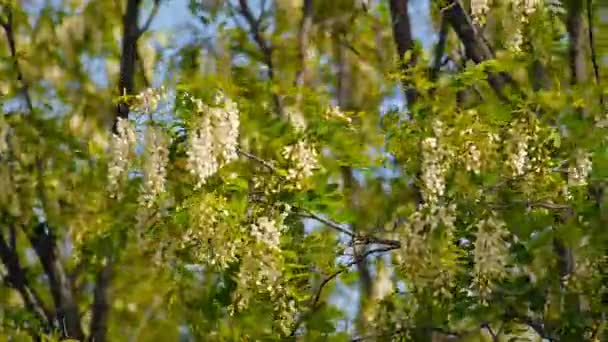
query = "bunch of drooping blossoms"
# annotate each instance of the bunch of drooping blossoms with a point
(427, 252)
(147, 101)
(303, 158)
(154, 165)
(261, 264)
(579, 171)
(212, 235)
(213, 140)
(122, 144)
(435, 165)
(490, 255)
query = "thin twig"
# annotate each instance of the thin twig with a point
(596, 68)
(305, 213)
(10, 37)
(151, 17)
(329, 278)
(255, 29)
(253, 157)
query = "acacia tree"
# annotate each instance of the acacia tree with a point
(266, 176)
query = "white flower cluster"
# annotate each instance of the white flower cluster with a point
(516, 40)
(518, 157)
(210, 237)
(472, 158)
(578, 173)
(490, 254)
(434, 168)
(528, 7)
(334, 112)
(147, 101)
(427, 261)
(304, 160)
(154, 166)
(214, 141)
(296, 119)
(4, 130)
(267, 231)
(121, 146)
(479, 9)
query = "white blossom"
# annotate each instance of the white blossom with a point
(472, 158)
(479, 9)
(154, 166)
(4, 130)
(490, 254)
(226, 130)
(334, 112)
(578, 173)
(121, 145)
(528, 7)
(147, 100)
(267, 231)
(213, 142)
(202, 161)
(296, 119)
(304, 160)
(516, 41)
(518, 159)
(434, 169)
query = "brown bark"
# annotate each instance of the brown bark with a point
(476, 47)
(303, 36)
(66, 310)
(576, 30)
(402, 34)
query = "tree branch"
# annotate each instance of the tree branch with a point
(596, 68)
(317, 296)
(66, 309)
(476, 48)
(101, 304)
(17, 279)
(576, 49)
(303, 33)
(126, 84)
(402, 36)
(440, 48)
(10, 37)
(151, 17)
(256, 31)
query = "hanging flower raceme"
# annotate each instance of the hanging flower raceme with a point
(479, 9)
(303, 158)
(155, 165)
(427, 253)
(147, 101)
(518, 155)
(490, 254)
(213, 141)
(433, 168)
(580, 170)
(121, 147)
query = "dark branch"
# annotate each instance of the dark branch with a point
(67, 315)
(126, 83)
(303, 34)
(440, 48)
(575, 25)
(10, 37)
(476, 47)
(266, 48)
(148, 22)
(402, 34)
(17, 279)
(596, 68)
(101, 304)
